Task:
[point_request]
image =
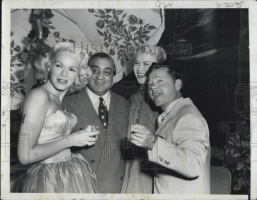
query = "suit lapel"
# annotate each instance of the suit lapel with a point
(161, 130)
(111, 111)
(109, 129)
(85, 111)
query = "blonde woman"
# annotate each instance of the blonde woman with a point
(45, 140)
(139, 174)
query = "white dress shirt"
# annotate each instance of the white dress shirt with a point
(95, 99)
(167, 110)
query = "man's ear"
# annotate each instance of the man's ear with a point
(178, 84)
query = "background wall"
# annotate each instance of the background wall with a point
(213, 58)
(94, 30)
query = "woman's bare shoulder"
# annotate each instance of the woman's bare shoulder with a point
(38, 95)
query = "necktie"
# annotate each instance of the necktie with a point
(103, 113)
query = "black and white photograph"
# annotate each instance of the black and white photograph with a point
(129, 100)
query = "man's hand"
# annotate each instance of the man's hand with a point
(142, 137)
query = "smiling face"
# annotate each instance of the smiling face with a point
(163, 90)
(102, 77)
(142, 63)
(64, 70)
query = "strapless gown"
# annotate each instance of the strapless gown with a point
(63, 173)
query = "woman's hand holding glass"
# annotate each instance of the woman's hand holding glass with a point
(85, 137)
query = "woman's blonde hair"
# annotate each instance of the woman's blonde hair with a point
(155, 51)
(43, 64)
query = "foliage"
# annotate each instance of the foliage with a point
(117, 33)
(58, 38)
(17, 76)
(36, 47)
(240, 151)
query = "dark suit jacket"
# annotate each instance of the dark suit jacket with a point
(105, 157)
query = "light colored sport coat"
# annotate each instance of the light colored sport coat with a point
(105, 157)
(182, 152)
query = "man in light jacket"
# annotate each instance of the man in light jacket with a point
(180, 147)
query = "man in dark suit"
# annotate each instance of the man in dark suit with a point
(97, 105)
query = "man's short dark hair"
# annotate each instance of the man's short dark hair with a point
(173, 74)
(102, 55)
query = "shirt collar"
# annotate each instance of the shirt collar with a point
(95, 98)
(166, 111)
(171, 105)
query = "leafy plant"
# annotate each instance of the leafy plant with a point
(117, 33)
(17, 76)
(240, 151)
(36, 47)
(58, 38)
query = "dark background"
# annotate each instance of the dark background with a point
(209, 47)
(216, 72)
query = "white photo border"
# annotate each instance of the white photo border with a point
(5, 91)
